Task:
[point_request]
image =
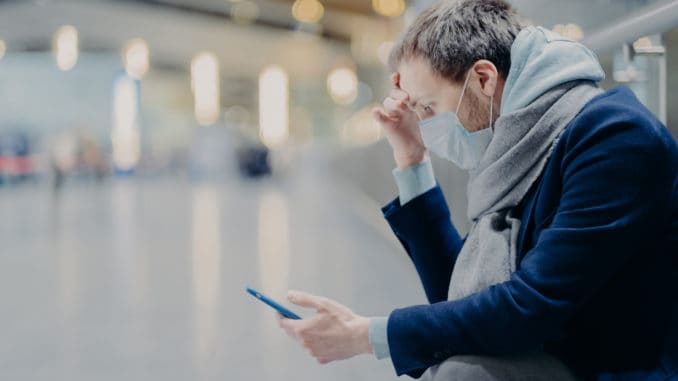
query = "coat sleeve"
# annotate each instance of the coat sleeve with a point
(425, 229)
(616, 188)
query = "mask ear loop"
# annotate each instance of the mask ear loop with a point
(463, 91)
(419, 118)
(491, 111)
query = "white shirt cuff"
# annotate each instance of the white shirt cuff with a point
(414, 181)
(379, 337)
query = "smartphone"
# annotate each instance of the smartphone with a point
(276, 306)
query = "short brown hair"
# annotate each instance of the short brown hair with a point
(453, 35)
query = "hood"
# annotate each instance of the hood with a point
(542, 60)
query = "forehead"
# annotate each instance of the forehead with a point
(418, 79)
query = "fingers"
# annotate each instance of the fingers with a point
(300, 331)
(380, 116)
(291, 327)
(395, 80)
(395, 108)
(399, 95)
(326, 336)
(287, 324)
(306, 300)
(297, 329)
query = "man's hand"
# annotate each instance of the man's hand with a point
(401, 126)
(333, 333)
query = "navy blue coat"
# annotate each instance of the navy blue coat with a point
(597, 279)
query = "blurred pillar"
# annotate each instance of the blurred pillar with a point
(125, 134)
(642, 67)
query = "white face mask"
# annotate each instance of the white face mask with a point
(445, 136)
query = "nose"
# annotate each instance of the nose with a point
(418, 114)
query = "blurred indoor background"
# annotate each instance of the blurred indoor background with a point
(157, 156)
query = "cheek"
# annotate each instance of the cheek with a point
(444, 106)
(426, 114)
(479, 120)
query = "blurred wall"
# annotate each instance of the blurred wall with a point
(35, 94)
(38, 99)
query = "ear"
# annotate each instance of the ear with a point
(487, 76)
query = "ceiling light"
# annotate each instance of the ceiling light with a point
(569, 31)
(244, 12)
(66, 47)
(308, 11)
(361, 129)
(136, 58)
(389, 8)
(205, 84)
(643, 42)
(273, 106)
(125, 138)
(342, 84)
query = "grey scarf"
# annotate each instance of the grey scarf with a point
(521, 146)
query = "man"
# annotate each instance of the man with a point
(569, 268)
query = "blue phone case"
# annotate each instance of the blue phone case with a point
(283, 311)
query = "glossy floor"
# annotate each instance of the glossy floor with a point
(145, 279)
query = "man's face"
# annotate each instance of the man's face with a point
(431, 95)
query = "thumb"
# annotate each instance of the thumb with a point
(380, 116)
